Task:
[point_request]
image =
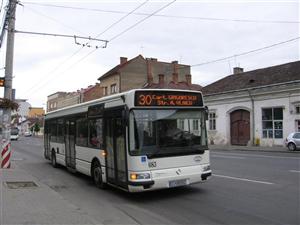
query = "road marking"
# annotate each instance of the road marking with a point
(227, 157)
(262, 156)
(243, 179)
(294, 171)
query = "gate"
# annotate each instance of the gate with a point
(240, 127)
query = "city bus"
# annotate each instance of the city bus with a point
(140, 140)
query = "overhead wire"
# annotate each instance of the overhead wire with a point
(242, 53)
(82, 58)
(167, 16)
(55, 20)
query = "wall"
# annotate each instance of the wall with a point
(284, 96)
(94, 93)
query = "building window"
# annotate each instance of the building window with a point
(272, 123)
(297, 107)
(298, 125)
(104, 91)
(212, 120)
(113, 88)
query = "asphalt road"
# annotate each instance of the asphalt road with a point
(246, 188)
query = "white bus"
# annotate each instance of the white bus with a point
(138, 140)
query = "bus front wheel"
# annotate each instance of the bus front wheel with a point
(97, 175)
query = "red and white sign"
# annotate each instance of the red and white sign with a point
(5, 156)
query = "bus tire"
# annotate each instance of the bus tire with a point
(97, 175)
(53, 160)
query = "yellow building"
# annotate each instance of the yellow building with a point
(35, 112)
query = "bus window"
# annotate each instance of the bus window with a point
(95, 133)
(82, 132)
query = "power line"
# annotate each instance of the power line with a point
(81, 59)
(53, 19)
(147, 17)
(168, 16)
(64, 35)
(241, 54)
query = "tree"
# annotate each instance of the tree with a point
(36, 128)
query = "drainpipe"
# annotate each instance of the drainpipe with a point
(253, 122)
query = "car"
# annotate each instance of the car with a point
(292, 142)
(27, 134)
(14, 133)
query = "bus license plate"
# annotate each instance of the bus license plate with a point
(177, 183)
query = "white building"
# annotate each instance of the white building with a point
(259, 107)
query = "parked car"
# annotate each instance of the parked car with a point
(293, 141)
(27, 134)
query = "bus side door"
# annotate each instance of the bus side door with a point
(116, 165)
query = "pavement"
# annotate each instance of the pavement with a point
(26, 200)
(274, 149)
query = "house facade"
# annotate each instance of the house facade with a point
(259, 107)
(141, 72)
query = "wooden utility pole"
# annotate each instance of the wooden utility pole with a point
(6, 147)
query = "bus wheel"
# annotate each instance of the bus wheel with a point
(97, 175)
(53, 159)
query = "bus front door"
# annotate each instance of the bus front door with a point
(116, 150)
(70, 144)
(47, 141)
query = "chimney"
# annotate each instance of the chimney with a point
(188, 78)
(237, 70)
(149, 72)
(175, 66)
(175, 72)
(161, 78)
(123, 60)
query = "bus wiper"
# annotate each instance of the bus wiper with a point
(152, 154)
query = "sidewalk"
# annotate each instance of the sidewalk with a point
(251, 148)
(21, 202)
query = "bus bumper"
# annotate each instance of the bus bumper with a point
(167, 179)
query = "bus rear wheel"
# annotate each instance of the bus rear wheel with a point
(53, 159)
(97, 175)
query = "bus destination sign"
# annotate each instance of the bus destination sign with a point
(167, 98)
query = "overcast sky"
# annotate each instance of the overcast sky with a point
(192, 32)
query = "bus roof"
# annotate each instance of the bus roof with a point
(83, 107)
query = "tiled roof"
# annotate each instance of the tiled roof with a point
(173, 85)
(267, 76)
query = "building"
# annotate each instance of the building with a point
(53, 100)
(92, 92)
(60, 100)
(36, 112)
(141, 72)
(259, 107)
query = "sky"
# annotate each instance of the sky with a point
(197, 33)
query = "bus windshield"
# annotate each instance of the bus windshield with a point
(167, 132)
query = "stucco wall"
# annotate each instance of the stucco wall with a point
(285, 96)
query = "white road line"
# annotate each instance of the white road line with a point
(227, 157)
(259, 156)
(243, 179)
(294, 171)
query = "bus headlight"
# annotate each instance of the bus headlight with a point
(139, 176)
(206, 168)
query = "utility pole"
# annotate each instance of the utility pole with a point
(6, 147)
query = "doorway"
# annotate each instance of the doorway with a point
(240, 127)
